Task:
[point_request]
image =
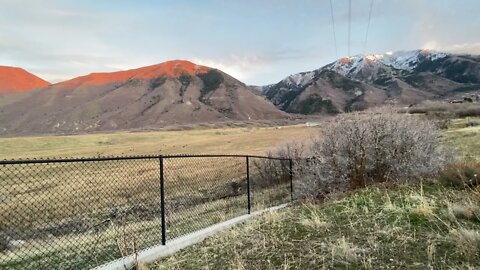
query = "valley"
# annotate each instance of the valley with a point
(226, 140)
(145, 135)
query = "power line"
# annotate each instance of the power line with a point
(333, 27)
(368, 26)
(349, 23)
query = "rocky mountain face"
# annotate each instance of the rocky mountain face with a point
(181, 92)
(174, 92)
(360, 82)
(16, 80)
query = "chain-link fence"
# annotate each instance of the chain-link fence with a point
(82, 213)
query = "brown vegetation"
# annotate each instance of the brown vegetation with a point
(445, 110)
(461, 174)
(363, 148)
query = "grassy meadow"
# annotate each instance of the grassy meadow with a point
(421, 226)
(62, 213)
(236, 140)
(78, 215)
(408, 226)
(464, 136)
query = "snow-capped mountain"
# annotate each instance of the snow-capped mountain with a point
(398, 77)
(409, 60)
(300, 79)
(402, 60)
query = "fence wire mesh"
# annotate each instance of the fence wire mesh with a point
(203, 191)
(82, 213)
(270, 182)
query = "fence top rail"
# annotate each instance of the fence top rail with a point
(111, 158)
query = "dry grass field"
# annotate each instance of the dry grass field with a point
(237, 140)
(76, 213)
(68, 215)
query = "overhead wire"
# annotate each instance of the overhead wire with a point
(349, 23)
(333, 28)
(368, 26)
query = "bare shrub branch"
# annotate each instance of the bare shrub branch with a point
(374, 146)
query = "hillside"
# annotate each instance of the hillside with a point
(174, 92)
(360, 82)
(404, 227)
(17, 80)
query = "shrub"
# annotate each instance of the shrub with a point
(374, 146)
(462, 174)
(438, 110)
(472, 124)
(294, 150)
(471, 110)
(299, 153)
(271, 171)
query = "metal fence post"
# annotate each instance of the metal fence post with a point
(248, 185)
(291, 179)
(162, 201)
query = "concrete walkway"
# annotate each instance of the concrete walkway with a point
(154, 253)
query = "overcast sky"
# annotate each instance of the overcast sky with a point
(257, 41)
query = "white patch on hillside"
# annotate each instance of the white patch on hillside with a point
(351, 66)
(300, 79)
(403, 60)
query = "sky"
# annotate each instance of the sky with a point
(257, 41)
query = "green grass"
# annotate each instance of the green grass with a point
(404, 227)
(465, 139)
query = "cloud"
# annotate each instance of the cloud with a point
(245, 66)
(238, 66)
(59, 39)
(461, 48)
(468, 48)
(430, 45)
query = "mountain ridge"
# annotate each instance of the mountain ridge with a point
(17, 80)
(403, 77)
(169, 93)
(181, 92)
(172, 68)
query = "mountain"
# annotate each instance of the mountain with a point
(363, 81)
(174, 92)
(15, 80)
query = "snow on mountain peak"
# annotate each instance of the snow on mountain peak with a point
(408, 60)
(403, 60)
(350, 66)
(299, 79)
